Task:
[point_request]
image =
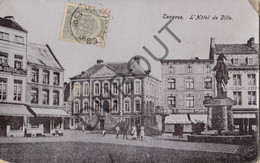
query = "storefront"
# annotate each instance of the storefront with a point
(245, 123)
(13, 119)
(175, 123)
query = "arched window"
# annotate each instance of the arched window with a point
(85, 89)
(114, 105)
(137, 86)
(97, 106)
(76, 106)
(85, 106)
(137, 104)
(106, 88)
(115, 87)
(96, 88)
(127, 105)
(127, 86)
(77, 89)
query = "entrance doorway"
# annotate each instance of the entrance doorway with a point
(106, 106)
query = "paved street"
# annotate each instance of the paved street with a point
(157, 141)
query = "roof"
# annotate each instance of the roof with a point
(187, 60)
(41, 55)
(120, 68)
(236, 49)
(5, 22)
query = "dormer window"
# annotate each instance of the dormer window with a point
(250, 61)
(234, 61)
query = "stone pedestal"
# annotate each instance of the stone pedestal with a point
(220, 113)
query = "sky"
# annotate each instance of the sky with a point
(132, 25)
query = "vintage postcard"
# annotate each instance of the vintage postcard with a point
(129, 81)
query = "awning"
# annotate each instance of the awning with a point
(49, 112)
(198, 118)
(246, 115)
(14, 110)
(177, 119)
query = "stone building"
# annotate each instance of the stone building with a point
(13, 112)
(45, 82)
(186, 84)
(117, 92)
(243, 66)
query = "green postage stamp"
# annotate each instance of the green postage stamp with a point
(85, 24)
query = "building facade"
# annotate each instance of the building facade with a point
(45, 82)
(113, 89)
(186, 84)
(13, 40)
(243, 66)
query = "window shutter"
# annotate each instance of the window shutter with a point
(246, 60)
(232, 61)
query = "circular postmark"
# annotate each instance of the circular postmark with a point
(85, 25)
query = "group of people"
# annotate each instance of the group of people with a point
(136, 132)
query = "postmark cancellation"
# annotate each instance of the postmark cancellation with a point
(85, 24)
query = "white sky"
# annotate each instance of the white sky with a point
(132, 25)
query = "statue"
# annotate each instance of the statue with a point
(221, 75)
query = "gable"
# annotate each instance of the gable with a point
(104, 71)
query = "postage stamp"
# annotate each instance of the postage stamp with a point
(85, 24)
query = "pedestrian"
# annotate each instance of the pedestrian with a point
(103, 132)
(25, 131)
(125, 131)
(138, 129)
(117, 131)
(134, 133)
(142, 132)
(83, 127)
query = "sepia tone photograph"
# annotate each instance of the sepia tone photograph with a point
(120, 81)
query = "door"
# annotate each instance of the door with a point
(102, 124)
(106, 106)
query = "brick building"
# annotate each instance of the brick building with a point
(113, 91)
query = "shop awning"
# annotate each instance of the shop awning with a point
(177, 119)
(198, 118)
(42, 112)
(14, 110)
(246, 115)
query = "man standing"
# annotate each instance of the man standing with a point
(125, 131)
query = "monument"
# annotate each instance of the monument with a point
(220, 113)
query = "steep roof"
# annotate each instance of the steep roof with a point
(42, 55)
(236, 49)
(120, 68)
(5, 22)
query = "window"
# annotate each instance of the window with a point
(189, 69)
(45, 94)
(234, 61)
(86, 89)
(208, 69)
(96, 88)
(34, 96)
(251, 79)
(17, 90)
(3, 58)
(18, 60)
(207, 97)
(55, 97)
(115, 87)
(237, 97)
(252, 98)
(137, 104)
(76, 106)
(56, 78)
(76, 89)
(137, 86)
(170, 70)
(189, 83)
(190, 101)
(127, 105)
(171, 83)
(237, 80)
(105, 88)
(171, 101)
(45, 75)
(208, 83)
(127, 87)
(3, 88)
(85, 106)
(250, 61)
(4, 36)
(97, 106)
(115, 105)
(19, 39)
(35, 75)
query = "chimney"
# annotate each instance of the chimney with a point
(250, 42)
(9, 18)
(137, 60)
(99, 61)
(212, 49)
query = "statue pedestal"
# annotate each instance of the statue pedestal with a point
(220, 113)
